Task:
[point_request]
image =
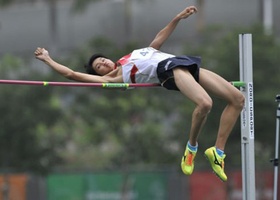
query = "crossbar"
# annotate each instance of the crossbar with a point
(102, 85)
(78, 84)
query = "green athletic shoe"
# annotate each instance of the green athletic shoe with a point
(217, 162)
(187, 163)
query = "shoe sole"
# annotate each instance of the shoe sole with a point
(214, 170)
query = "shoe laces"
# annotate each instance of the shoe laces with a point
(190, 157)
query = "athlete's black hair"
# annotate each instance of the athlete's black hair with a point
(88, 66)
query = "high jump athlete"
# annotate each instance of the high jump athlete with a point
(181, 73)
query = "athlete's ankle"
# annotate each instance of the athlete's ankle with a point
(219, 152)
(191, 147)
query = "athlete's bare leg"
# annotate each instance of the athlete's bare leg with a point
(191, 89)
(221, 88)
(196, 92)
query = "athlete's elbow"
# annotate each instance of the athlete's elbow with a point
(70, 75)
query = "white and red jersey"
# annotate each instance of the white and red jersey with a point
(141, 65)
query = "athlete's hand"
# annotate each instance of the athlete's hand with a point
(187, 12)
(41, 54)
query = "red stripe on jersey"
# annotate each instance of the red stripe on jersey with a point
(124, 59)
(133, 72)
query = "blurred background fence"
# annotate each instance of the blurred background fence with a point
(130, 185)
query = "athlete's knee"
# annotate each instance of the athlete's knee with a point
(204, 106)
(239, 101)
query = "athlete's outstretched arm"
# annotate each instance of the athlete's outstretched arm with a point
(163, 35)
(43, 55)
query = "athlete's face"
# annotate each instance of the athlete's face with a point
(103, 65)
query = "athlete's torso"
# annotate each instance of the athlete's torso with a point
(141, 65)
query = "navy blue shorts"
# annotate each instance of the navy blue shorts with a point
(165, 69)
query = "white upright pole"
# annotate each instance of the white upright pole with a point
(275, 160)
(247, 118)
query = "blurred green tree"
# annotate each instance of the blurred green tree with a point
(115, 129)
(24, 110)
